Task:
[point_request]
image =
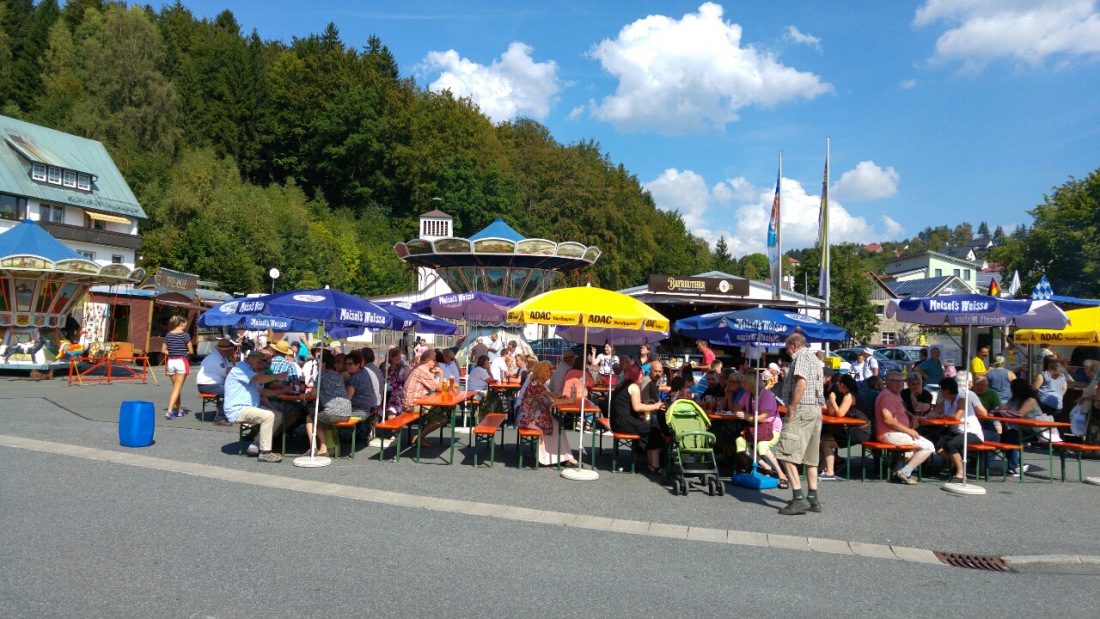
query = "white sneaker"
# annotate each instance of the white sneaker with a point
(253, 449)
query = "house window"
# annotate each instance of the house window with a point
(966, 274)
(12, 207)
(84, 182)
(880, 310)
(70, 178)
(38, 172)
(956, 272)
(116, 259)
(88, 255)
(54, 214)
(55, 175)
(889, 339)
(939, 272)
(94, 224)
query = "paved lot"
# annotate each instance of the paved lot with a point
(157, 538)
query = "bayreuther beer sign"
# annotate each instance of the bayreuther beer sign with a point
(726, 286)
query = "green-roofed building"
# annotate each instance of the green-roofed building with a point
(72, 188)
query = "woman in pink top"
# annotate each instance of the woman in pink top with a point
(761, 410)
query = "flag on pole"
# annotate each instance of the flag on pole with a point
(773, 237)
(994, 288)
(1014, 287)
(1042, 291)
(823, 224)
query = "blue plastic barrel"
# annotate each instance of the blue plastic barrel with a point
(136, 420)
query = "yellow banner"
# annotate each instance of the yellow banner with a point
(613, 322)
(1057, 338)
(544, 317)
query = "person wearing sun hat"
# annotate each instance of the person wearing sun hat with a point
(212, 372)
(282, 361)
(1000, 378)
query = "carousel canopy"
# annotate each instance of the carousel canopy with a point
(29, 239)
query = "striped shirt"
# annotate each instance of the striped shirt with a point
(176, 343)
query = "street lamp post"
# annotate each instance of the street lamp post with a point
(274, 273)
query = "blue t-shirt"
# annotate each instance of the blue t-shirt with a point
(240, 391)
(933, 369)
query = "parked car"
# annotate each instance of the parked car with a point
(907, 356)
(884, 364)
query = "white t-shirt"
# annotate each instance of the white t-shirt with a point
(450, 370)
(870, 367)
(499, 369)
(214, 369)
(972, 425)
(606, 363)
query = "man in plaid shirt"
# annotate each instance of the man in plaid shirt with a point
(800, 440)
(281, 362)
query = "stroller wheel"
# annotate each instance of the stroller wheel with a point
(711, 486)
(721, 487)
(684, 487)
(675, 486)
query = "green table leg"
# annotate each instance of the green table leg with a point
(454, 411)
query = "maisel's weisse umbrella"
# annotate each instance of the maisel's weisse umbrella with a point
(227, 315)
(975, 310)
(590, 308)
(326, 306)
(759, 325)
(405, 320)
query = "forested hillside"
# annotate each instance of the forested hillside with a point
(314, 156)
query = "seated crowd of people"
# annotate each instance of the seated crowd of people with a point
(352, 387)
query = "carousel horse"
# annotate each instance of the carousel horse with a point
(26, 348)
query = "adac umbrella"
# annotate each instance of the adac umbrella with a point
(324, 305)
(590, 308)
(758, 325)
(227, 315)
(975, 310)
(1084, 330)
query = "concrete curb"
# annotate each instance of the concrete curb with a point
(1053, 564)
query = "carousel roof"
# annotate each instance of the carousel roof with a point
(498, 230)
(29, 239)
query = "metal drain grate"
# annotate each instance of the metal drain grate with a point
(988, 563)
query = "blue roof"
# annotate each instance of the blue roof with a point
(28, 238)
(498, 230)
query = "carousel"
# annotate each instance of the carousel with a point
(42, 282)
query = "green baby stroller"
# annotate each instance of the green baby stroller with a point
(691, 450)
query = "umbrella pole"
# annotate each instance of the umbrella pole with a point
(313, 460)
(965, 488)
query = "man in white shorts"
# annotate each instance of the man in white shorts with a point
(895, 426)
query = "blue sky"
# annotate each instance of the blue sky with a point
(939, 112)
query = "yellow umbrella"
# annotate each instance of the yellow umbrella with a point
(1083, 330)
(616, 316)
(588, 307)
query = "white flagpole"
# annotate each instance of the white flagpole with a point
(825, 244)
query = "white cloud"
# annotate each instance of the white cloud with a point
(1028, 31)
(576, 112)
(711, 215)
(866, 182)
(907, 84)
(513, 86)
(692, 74)
(796, 36)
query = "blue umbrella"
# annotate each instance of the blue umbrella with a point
(322, 304)
(404, 320)
(978, 311)
(758, 325)
(227, 315)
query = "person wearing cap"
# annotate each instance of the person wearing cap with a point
(1000, 379)
(870, 364)
(212, 372)
(244, 399)
(896, 426)
(557, 379)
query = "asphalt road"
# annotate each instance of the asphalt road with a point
(93, 538)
